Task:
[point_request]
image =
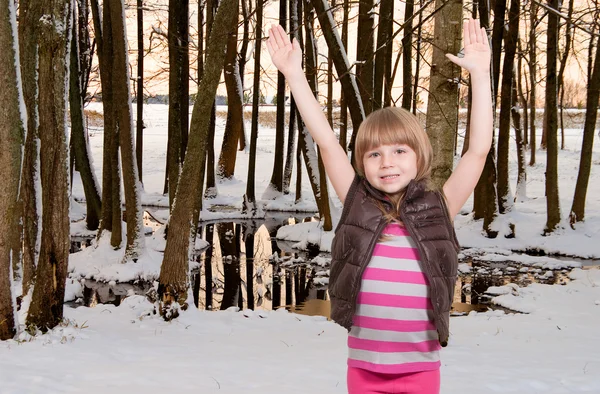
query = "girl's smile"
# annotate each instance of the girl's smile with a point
(390, 168)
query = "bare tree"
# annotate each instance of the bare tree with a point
(46, 309)
(79, 140)
(249, 197)
(551, 123)
(276, 183)
(364, 53)
(111, 177)
(234, 125)
(505, 199)
(384, 47)
(178, 91)
(132, 187)
(442, 105)
(139, 140)
(29, 15)
(577, 213)
(173, 281)
(533, 81)
(342, 68)
(561, 72)
(407, 84)
(12, 134)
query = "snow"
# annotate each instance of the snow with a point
(550, 347)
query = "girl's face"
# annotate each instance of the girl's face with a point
(389, 168)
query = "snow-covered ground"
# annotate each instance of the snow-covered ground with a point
(553, 348)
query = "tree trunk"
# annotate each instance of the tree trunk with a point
(79, 141)
(12, 134)
(442, 106)
(561, 72)
(533, 82)
(133, 203)
(497, 35)
(46, 309)
(342, 68)
(521, 189)
(276, 184)
(111, 178)
(29, 16)
(552, 200)
(211, 184)
(577, 213)
(384, 44)
(139, 140)
(364, 54)
(291, 141)
(234, 126)
(321, 192)
(249, 198)
(173, 281)
(485, 202)
(505, 198)
(178, 91)
(343, 103)
(407, 55)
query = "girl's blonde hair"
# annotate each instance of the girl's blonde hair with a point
(392, 126)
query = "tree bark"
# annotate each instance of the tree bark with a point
(133, 202)
(384, 44)
(173, 281)
(533, 83)
(79, 142)
(551, 124)
(364, 54)
(485, 203)
(577, 213)
(234, 125)
(521, 168)
(111, 177)
(505, 198)
(407, 55)
(178, 91)
(29, 16)
(46, 309)
(139, 140)
(249, 198)
(12, 135)
(442, 106)
(276, 184)
(342, 68)
(497, 35)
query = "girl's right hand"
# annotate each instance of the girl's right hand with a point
(285, 55)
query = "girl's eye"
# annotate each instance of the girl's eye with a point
(400, 151)
(374, 154)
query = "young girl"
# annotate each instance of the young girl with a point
(394, 255)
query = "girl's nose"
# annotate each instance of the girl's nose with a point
(386, 161)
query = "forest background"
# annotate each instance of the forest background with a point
(545, 59)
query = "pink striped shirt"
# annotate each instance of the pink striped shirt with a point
(393, 329)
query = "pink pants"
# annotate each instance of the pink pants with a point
(361, 381)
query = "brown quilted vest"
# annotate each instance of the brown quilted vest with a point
(425, 215)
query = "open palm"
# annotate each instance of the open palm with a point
(285, 55)
(476, 48)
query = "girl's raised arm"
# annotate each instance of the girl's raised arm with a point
(287, 57)
(465, 176)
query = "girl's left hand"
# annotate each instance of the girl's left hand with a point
(476, 50)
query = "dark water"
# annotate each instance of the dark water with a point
(246, 267)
